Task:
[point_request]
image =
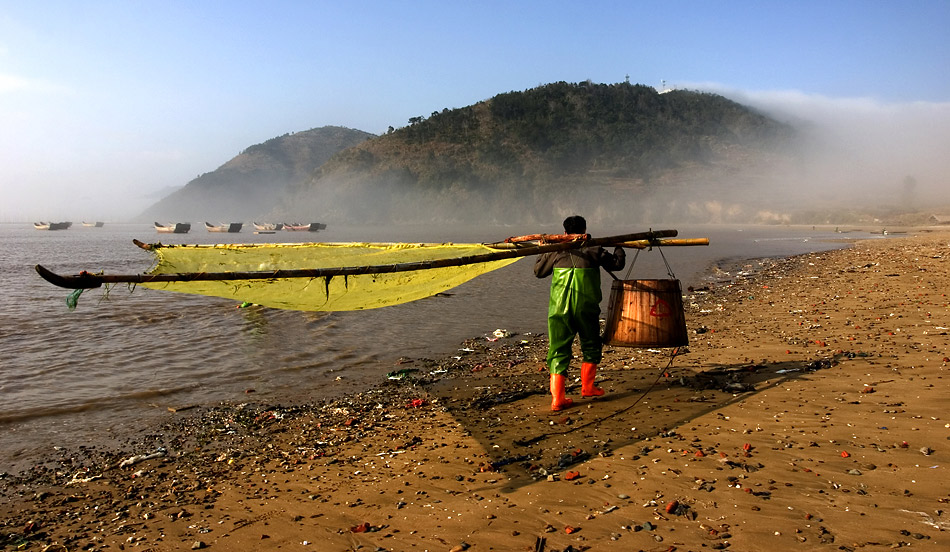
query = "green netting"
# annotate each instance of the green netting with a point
(337, 293)
(73, 299)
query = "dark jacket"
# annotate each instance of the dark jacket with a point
(585, 257)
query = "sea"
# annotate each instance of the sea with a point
(114, 366)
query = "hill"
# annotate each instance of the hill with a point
(616, 152)
(252, 184)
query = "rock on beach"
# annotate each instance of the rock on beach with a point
(809, 412)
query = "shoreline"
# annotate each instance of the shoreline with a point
(784, 426)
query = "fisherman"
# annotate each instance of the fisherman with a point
(574, 309)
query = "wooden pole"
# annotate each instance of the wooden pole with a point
(643, 244)
(87, 280)
(631, 244)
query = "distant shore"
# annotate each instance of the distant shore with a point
(808, 413)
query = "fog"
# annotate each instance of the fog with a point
(854, 153)
(860, 152)
(851, 157)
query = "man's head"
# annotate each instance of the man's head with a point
(575, 225)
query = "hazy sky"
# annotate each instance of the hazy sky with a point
(106, 103)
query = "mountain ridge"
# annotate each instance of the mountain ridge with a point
(613, 151)
(252, 183)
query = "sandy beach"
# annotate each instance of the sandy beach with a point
(809, 412)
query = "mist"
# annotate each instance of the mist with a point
(859, 152)
(853, 153)
(851, 159)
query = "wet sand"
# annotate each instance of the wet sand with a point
(809, 411)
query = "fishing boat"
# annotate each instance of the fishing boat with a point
(328, 277)
(93, 224)
(232, 228)
(177, 228)
(52, 225)
(268, 226)
(312, 227)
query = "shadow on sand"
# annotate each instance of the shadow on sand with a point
(507, 409)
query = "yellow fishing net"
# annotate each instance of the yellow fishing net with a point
(336, 293)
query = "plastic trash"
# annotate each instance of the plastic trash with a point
(132, 460)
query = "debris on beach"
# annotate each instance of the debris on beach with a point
(766, 434)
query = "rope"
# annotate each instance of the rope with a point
(669, 269)
(633, 262)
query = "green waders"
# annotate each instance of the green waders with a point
(574, 309)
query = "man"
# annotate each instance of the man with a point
(574, 309)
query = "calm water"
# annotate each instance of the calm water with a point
(117, 362)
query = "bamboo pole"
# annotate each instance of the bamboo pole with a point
(643, 244)
(87, 280)
(630, 244)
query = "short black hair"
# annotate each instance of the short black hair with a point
(575, 224)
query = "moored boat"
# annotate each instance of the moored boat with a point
(233, 227)
(93, 224)
(268, 226)
(52, 225)
(312, 227)
(177, 228)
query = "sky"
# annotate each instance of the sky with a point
(106, 106)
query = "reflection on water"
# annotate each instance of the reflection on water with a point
(255, 321)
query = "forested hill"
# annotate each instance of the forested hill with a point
(613, 152)
(616, 152)
(254, 182)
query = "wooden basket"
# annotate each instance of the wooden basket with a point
(646, 313)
